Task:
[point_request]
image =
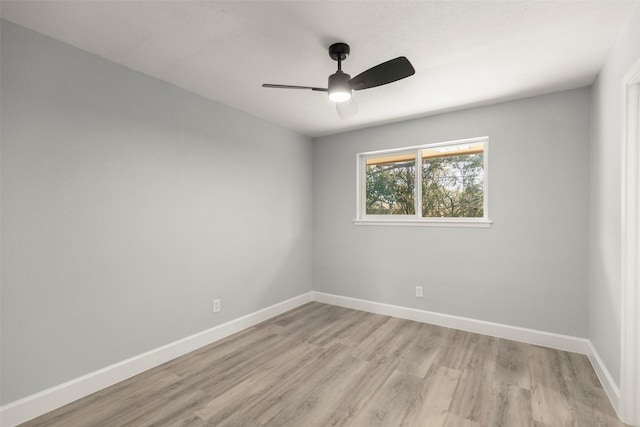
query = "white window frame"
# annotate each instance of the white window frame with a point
(362, 218)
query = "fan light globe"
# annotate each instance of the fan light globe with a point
(339, 96)
(339, 89)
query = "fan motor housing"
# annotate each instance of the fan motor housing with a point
(339, 79)
(339, 90)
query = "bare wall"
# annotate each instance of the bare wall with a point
(529, 269)
(128, 205)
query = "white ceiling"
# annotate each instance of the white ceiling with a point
(465, 53)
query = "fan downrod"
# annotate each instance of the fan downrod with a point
(339, 51)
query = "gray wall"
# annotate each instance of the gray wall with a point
(529, 269)
(606, 161)
(128, 205)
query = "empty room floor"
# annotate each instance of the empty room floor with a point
(322, 365)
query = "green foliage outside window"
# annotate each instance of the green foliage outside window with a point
(452, 187)
(390, 188)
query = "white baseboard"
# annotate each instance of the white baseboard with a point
(40, 403)
(607, 381)
(529, 336)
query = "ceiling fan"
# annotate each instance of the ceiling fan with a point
(341, 84)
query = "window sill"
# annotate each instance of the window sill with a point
(476, 223)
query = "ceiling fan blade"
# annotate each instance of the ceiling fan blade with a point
(319, 89)
(387, 72)
(347, 109)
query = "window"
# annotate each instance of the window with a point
(436, 184)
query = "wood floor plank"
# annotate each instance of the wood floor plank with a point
(302, 313)
(107, 403)
(220, 378)
(360, 390)
(322, 365)
(473, 397)
(316, 322)
(457, 349)
(175, 407)
(191, 421)
(549, 392)
(293, 391)
(512, 363)
(423, 352)
(585, 390)
(434, 398)
(254, 387)
(454, 420)
(142, 408)
(368, 324)
(325, 394)
(226, 354)
(511, 406)
(380, 341)
(391, 403)
(349, 327)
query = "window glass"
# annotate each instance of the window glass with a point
(453, 181)
(390, 185)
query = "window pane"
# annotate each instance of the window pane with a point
(453, 181)
(390, 185)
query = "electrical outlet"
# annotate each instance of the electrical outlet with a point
(216, 305)
(419, 291)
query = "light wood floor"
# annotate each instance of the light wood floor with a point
(321, 365)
